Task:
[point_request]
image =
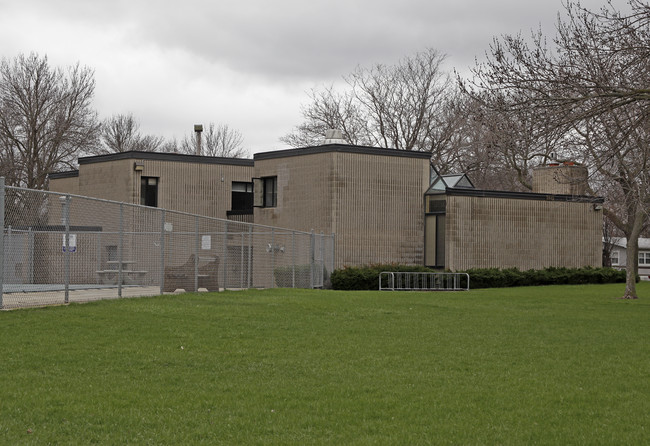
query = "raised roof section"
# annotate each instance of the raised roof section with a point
(343, 148)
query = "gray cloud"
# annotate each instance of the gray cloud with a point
(248, 63)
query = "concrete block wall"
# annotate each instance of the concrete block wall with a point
(485, 232)
(372, 200)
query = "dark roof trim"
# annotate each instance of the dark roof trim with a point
(520, 195)
(159, 156)
(67, 174)
(342, 148)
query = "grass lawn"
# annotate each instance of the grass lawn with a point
(545, 365)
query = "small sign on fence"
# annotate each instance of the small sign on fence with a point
(72, 243)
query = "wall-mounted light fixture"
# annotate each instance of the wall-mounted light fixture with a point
(138, 167)
(598, 207)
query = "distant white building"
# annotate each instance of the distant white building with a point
(618, 255)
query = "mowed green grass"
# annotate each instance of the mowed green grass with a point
(542, 365)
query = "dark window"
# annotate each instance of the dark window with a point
(149, 191)
(270, 191)
(437, 206)
(242, 196)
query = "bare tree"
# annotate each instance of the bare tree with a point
(503, 143)
(330, 109)
(592, 85)
(394, 106)
(216, 140)
(121, 133)
(46, 118)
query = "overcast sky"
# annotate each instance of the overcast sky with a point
(248, 63)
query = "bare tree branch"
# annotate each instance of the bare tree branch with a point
(46, 118)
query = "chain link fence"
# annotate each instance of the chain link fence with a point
(61, 248)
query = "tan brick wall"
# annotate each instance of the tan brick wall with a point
(68, 185)
(113, 180)
(379, 211)
(203, 189)
(372, 203)
(485, 232)
(304, 192)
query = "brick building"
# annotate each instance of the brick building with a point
(383, 205)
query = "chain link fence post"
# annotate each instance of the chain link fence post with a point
(272, 258)
(196, 253)
(30, 255)
(250, 256)
(66, 245)
(98, 253)
(2, 238)
(120, 251)
(224, 257)
(321, 265)
(293, 259)
(241, 260)
(312, 246)
(333, 252)
(162, 252)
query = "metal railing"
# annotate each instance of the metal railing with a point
(60, 248)
(421, 281)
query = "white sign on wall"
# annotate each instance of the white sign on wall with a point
(206, 242)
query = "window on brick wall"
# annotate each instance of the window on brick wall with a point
(242, 196)
(270, 192)
(149, 191)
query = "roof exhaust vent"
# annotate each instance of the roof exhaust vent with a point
(333, 136)
(198, 128)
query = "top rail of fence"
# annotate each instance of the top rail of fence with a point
(140, 206)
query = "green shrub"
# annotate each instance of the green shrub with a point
(367, 277)
(495, 278)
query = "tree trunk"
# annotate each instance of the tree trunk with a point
(632, 248)
(631, 268)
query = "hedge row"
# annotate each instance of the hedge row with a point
(366, 277)
(495, 278)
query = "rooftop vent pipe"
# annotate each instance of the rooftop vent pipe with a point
(198, 128)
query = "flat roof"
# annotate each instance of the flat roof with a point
(343, 148)
(518, 195)
(67, 174)
(163, 156)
